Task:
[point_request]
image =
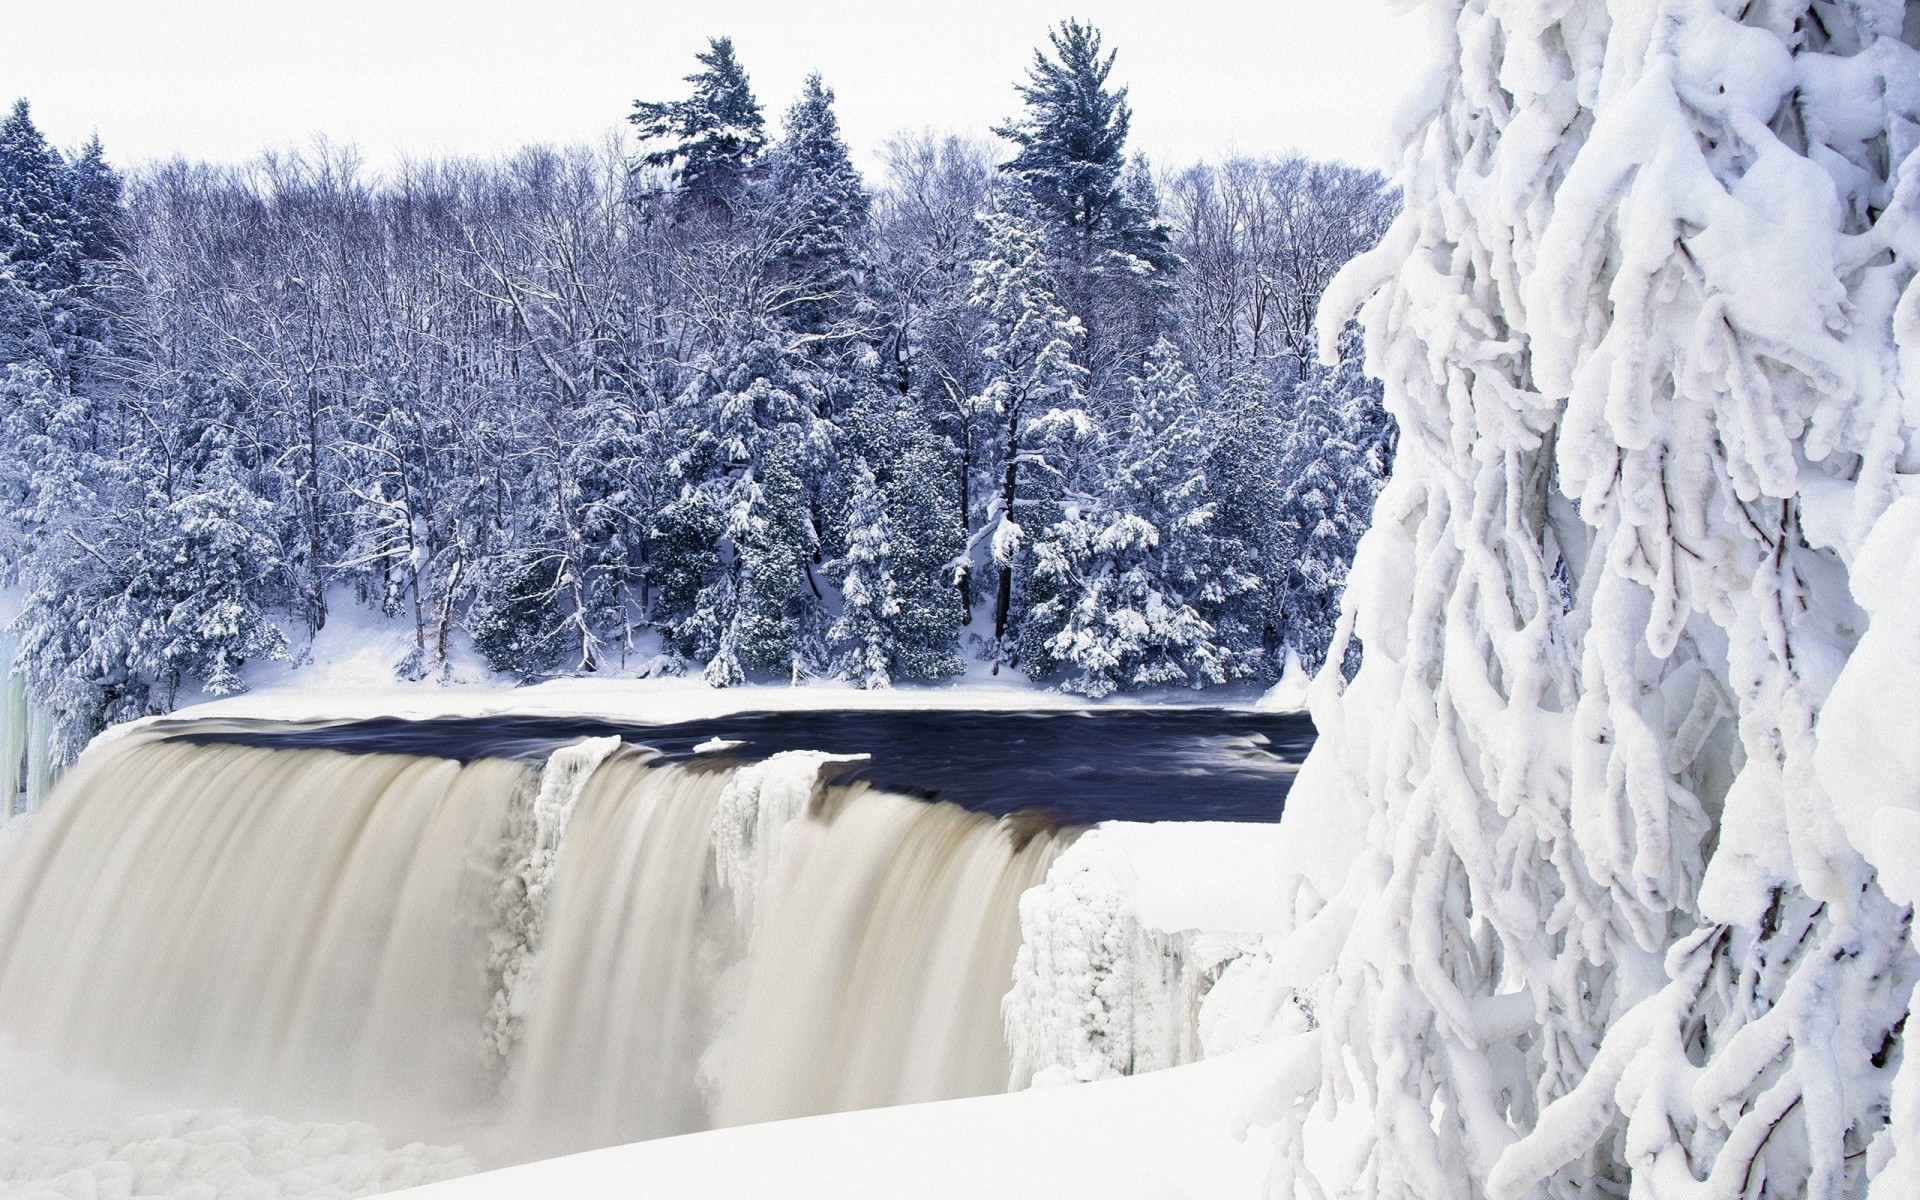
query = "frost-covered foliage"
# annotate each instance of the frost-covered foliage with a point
(1615, 918)
(1130, 567)
(869, 601)
(1338, 452)
(708, 142)
(1033, 387)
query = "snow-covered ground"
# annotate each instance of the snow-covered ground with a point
(1166, 1136)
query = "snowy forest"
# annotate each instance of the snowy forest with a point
(703, 399)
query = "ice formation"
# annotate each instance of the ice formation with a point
(1612, 915)
(1099, 990)
(759, 806)
(26, 740)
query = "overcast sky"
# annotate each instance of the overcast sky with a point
(222, 79)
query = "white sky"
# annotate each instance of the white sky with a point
(222, 79)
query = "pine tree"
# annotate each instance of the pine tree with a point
(926, 543)
(40, 247)
(1112, 259)
(870, 603)
(819, 207)
(736, 546)
(1130, 567)
(711, 140)
(1072, 142)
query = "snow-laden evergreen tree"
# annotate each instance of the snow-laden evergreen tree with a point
(1333, 462)
(40, 248)
(1072, 157)
(711, 140)
(869, 602)
(1616, 921)
(1026, 338)
(736, 546)
(914, 468)
(139, 596)
(1112, 255)
(926, 544)
(1128, 568)
(818, 207)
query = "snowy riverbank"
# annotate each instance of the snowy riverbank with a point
(1171, 1135)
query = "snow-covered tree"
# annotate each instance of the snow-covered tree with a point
(869, 601)
(40, 248)
(818, 207)
(1110, 253)
(1125, 572)
(1027, 340)
(139, 596)
(1072, 157)
(1336, 454)
(711, 140)
(1610, 924)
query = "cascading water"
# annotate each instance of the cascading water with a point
(530, 961)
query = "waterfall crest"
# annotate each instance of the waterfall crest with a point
(531, 959)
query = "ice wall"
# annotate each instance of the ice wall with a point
(1110, 978)
(26, 734)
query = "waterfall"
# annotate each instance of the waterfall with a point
(532, 959)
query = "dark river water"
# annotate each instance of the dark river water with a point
(1078, 766)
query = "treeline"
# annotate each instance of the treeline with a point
(712, 404)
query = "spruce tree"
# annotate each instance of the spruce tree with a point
(1130, 567)
(869, 601)
(711, 140)
(40, 250)
(1334, 461)
(1112, 256)
(818, 209)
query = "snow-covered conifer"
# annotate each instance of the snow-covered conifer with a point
(869, 601)
(1027, 340)
(710, 140)
(1333, 462)
(818, 206)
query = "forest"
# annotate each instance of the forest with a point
(700, 399)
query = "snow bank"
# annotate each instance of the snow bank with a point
(1165, 1136)
(1120, 945)
(85, 1138)
(643, 700)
